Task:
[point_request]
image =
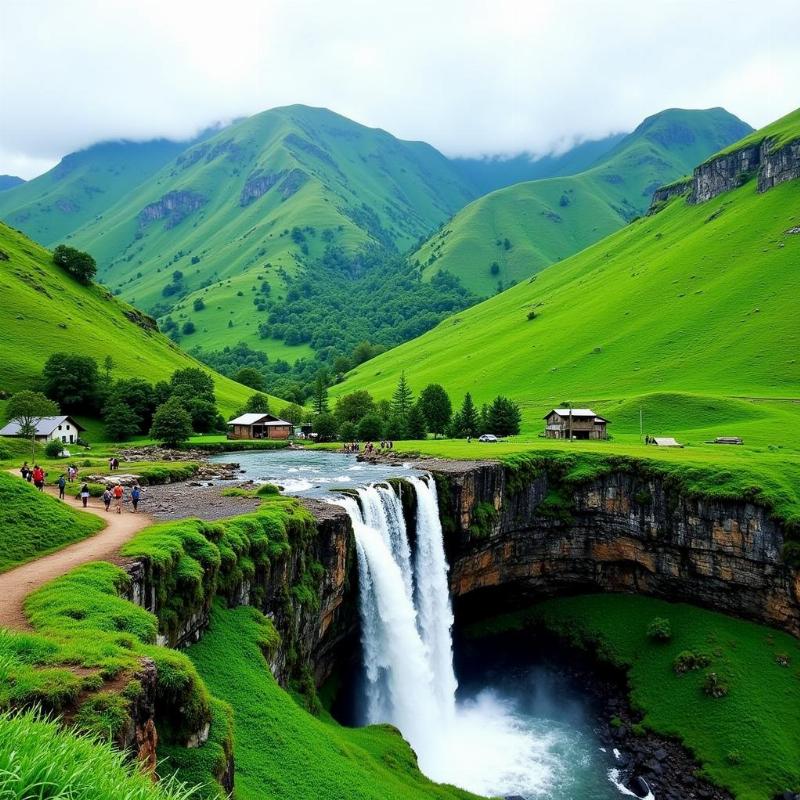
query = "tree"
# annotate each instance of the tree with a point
(72, 381)
(504, 417)
(28, 409)
(465, 423)
(256, 404)
(203, 413)
(121, 420)
(416, 426)
(352, 407)
(250, 376)
(108, 366)
(319, 399)
(348, 432)
(138, 395)
(436, 408)
(370, 427)
(192, 382)
(396, 427)
(198, 304)
(403, 397)
(292, 412)
(79, 264)
(188, 328)
(172, 424)
(325, 426)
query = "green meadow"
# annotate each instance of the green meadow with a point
(510, 234)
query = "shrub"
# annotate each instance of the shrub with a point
(53, 448)
(715, 686)
(188, 327)
(267, 489)
(531, 315)
(198, 304)
(688, 661)
(5, 453)
(80, 265)
(659, 629)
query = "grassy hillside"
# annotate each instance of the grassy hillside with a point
(9, 182)
(283, 751)
(512, 233)
(44, 310)
(263, 199)
(697, 301)
(32, 523)
(82, 186)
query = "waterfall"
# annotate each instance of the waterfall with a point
(406, 619)
(406, 614)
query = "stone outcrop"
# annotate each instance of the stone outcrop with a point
(770, 165)
(620, 532)
(257, 185)
(173, 207)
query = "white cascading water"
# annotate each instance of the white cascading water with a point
(407, 617)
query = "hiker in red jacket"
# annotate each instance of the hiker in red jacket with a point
(38, 477)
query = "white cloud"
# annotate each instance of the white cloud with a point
(468, 76)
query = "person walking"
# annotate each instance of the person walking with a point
(62, 485)
(136, 494)
(118, 493)
(84, 493)
(107, 498)
(24, 470)
(38, 477)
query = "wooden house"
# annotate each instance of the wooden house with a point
(259, 426)
(578, 423)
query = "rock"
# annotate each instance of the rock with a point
(639, 786)
(660, 754)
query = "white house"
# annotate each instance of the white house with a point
(62, 428)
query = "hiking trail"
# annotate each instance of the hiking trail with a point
(19, 582)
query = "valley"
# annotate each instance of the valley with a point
(334, 464)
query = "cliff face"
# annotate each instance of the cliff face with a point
(619, 533)
(769, 165)
(311, 633)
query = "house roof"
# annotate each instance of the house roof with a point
(45, 427)
(576, 412)
(259, 419)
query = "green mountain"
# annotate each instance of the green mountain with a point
(9, 182)
(260, 201)
(44, 310)
(512, 233)
(495, 172)
(82, 186)
(694, 306)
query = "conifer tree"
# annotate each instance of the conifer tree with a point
(403, 397)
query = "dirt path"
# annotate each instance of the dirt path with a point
(18, 583)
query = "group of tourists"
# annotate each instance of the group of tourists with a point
(115, 494)
(369, 447)
(36, 476)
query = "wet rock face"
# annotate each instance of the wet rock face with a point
(618, 533)
(783, 165)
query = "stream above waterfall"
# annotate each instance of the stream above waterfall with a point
(503, 721)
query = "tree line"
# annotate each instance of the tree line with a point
(359, 417)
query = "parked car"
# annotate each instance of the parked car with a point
(488, 437)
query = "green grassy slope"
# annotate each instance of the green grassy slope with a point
(698, 300)
(525, 227)
(747, 741)
(780, 132)
(44, 310)
(283, 751)
(32, 523)
(239, 196)
(82, 186)
(9, 182)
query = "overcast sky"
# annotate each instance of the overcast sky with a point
(469, 77)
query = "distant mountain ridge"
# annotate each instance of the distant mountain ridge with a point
(512, 233)
(9, 182)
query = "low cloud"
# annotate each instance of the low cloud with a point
(469, 77)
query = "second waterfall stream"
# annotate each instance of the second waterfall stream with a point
(407, 620)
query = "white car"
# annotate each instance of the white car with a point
(488, 437)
